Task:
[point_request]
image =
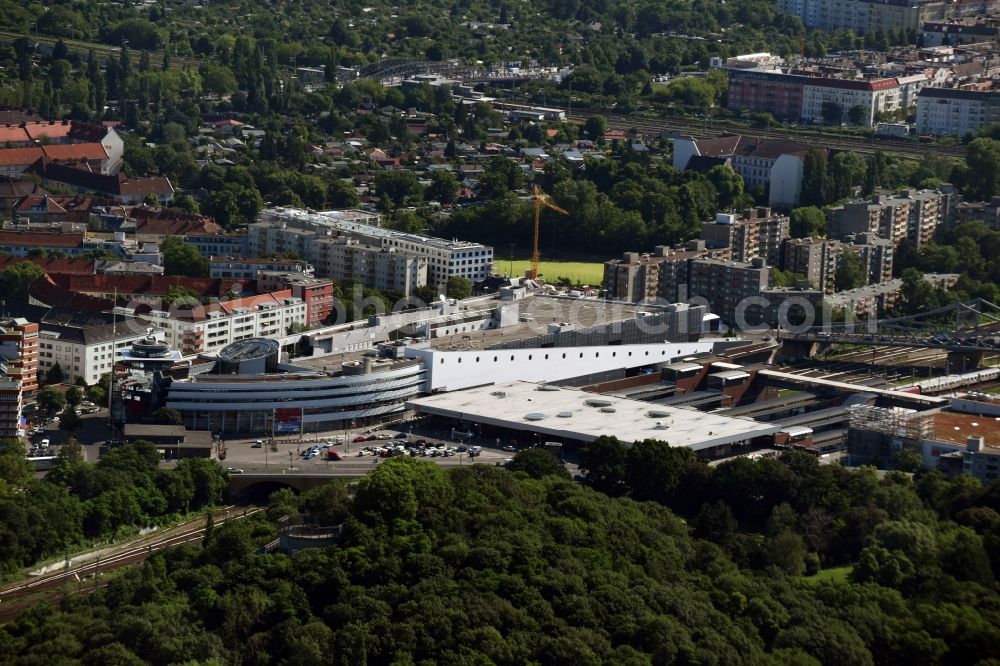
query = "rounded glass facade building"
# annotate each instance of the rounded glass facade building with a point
(293, 402)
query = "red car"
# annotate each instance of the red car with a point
(333, 455)
(360, 438)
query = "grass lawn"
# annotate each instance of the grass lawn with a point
(589, 273)
(836, 574)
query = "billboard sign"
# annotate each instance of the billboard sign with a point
(287, 420)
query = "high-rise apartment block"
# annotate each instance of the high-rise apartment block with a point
(662, 275)
(19, 350)
(727, 284)
(912, 215)
(815, 258)
(758, 233)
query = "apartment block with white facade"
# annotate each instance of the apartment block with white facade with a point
(209, 328)
(284, 230)
(864, 16)
(85, 351)
(251, 268)
(381, 268)
(954, 112)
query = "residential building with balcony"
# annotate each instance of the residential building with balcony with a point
(815, 258)
(316, 293)
(19, 349)
(251, 268)
(343, 259)
(207, 328)
(726, 285)
(296, 231)
(912, 215)
(875, 255)
(757, 233)
(10, 402)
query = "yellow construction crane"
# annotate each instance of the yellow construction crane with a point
(541, 199)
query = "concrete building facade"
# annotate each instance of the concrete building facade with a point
(726, 284)
(954, 112)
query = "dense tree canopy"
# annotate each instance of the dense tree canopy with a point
(482, 565)
(79, 501)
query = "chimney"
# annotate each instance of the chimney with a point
(974, 444)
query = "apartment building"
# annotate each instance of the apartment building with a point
(381, 268)
(805, 97)
(875, 255)
(726, 285)
(863, 16)
(208, 328)
(845, 94)
(82, 346)
(634, 278)
(987, 212)
(218, 245)
(10, 401)
(962, 31)
(316, 293)
(283, 231)
(955, 112)
(251, 268)
(661, 275)
(815, 258)
(912, 215)
(773, 164)
(19, 349)
(757, 233)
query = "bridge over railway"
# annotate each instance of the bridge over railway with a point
(960, 329)
(268, 482)
(399, 68)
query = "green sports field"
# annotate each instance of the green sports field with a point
(589, 273)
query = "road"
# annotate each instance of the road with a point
(85, 575)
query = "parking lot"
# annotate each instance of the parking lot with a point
(358, 451)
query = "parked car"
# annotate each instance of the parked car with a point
(360, 438)
(401, 435)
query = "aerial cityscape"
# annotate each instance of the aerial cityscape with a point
(570, 333)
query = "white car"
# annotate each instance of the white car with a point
(234, 470)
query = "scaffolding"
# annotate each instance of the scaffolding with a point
(897, 422)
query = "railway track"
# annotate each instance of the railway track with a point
(102, 51)
(714, 128)
(890, 365)
(17, 597)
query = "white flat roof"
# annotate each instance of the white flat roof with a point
(583, 416)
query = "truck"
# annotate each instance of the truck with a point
(897, 130)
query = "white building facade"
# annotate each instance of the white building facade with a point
(210, 328)
(952, 112)
(301, 232)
